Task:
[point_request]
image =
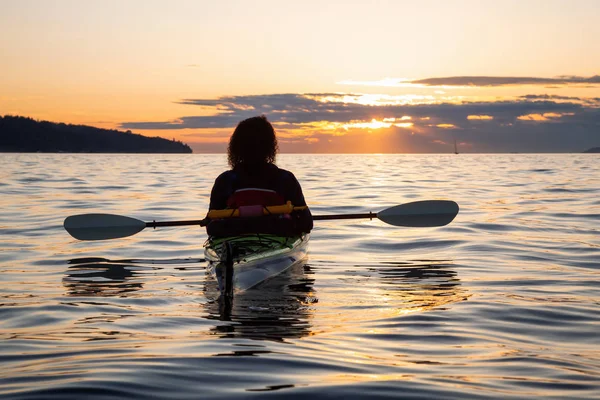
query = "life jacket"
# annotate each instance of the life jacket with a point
(251, 202)
(254, 197)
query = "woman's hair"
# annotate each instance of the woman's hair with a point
(252, 143)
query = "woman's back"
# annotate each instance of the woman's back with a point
(255, 180)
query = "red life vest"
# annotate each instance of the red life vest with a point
(254, 197)
(251, 201)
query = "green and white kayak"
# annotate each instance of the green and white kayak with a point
(252, 258)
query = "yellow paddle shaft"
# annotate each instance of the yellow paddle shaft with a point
(267, 210)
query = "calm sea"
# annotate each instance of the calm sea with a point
(502, 303)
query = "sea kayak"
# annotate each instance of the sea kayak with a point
(242, 262)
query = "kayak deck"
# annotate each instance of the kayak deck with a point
(256, 257)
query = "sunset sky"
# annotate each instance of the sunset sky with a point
(333, 76)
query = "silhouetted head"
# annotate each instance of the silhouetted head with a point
(252, 143)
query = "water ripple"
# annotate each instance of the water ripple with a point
(502, 303)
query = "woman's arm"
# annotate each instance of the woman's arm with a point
(222, 189)
(303, 220)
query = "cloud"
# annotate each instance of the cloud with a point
(549, 97)
(481, 81)
(587, 101)
(506, 81)
(349, 122)
(294, 109)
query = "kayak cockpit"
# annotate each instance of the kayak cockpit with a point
(242, 262)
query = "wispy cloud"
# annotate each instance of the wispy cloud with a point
(506, 81)
(587, 101)
(385, 82)
(480, 81)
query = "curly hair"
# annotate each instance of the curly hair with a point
(252, 143)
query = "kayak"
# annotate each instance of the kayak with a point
(242, 262)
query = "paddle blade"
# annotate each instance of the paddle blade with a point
(102, 226)
(427, 213)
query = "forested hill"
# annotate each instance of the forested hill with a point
(593, 150)
(21, 134)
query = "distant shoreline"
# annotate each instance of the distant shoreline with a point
(3, 151)
(26, 135)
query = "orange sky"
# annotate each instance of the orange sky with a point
(132, 64)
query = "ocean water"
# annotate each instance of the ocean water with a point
(502, 303)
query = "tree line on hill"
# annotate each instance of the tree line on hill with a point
(22, 134)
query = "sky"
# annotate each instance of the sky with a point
(332, 76)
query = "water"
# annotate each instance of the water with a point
(504, 302)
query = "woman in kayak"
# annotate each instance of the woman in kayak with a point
(253, 180)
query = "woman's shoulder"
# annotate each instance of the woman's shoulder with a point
(226, 176)
(284, 173)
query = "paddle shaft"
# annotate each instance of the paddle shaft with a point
(154, 224)
(369, 215)
(215, 214)
(204, 222)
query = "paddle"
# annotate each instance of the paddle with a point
(427, 213)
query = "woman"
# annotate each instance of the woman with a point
(254, 179)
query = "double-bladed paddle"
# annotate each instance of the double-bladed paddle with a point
(426, 213)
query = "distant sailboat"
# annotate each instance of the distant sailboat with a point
(455, 148)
